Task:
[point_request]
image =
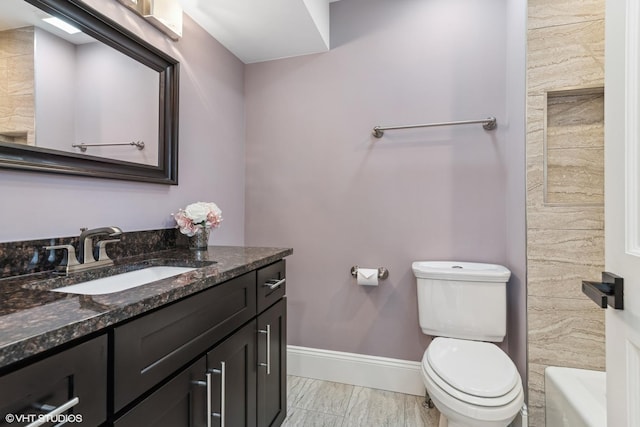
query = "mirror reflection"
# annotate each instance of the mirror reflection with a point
(62, 90)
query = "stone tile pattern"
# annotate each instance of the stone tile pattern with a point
(17, 99)
(315, 403)
(565, 220)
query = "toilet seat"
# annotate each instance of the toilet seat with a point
(465, 413)
(474, 372)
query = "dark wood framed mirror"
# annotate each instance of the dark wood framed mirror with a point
(161, 166)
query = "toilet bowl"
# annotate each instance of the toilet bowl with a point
(471, 383)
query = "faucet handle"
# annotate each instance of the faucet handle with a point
(102, 252)
(71, 259)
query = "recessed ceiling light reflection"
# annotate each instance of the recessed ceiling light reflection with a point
(59, 23)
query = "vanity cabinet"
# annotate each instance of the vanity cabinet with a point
(214, 358)
(72, 383)
(235, 336)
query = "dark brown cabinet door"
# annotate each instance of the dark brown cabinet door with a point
(179, 403)
(69, 386)
(272, 365)
(232, 366)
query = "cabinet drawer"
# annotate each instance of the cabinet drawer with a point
(80, 372)
(149, 349)
(271, 284)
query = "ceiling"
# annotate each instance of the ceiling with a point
(18, 13)
(253, 30)
(262, 30)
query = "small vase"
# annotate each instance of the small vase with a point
(200, 240)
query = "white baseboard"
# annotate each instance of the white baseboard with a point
(382, 373)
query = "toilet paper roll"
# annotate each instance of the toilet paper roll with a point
(368, 276)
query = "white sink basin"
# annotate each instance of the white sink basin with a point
(123, 281)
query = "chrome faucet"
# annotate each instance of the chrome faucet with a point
(86, 260)
(85, 248)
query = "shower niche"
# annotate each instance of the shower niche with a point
(574, 147)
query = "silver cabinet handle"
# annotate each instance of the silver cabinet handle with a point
(268, 332)
(274, 283)
(223, 392)
(209, 411)
(57, 411)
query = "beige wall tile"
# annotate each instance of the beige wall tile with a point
(17, 109)
(566, 332)
(561, 280)
(4, 68)
(565, 56)
(565, 243)
(535, 403)
(575, 176)
(535, 149)
(17, 114)
(19, 75)
(535, 113)
(4, 37)
(535, 180)
(575, 120)
(547, 13)
(17, 42)
(566, 246)
(564, 217)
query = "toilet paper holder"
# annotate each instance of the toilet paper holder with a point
(383, 273)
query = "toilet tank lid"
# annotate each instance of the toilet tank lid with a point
(453, 270)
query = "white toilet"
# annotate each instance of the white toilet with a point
(473, 383)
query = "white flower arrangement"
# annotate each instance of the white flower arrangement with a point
(198, 216)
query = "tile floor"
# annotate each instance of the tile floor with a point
(315, 403)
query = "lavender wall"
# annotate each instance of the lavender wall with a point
(211, 160)
(319, 182)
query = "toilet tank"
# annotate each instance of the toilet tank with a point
(462, 299)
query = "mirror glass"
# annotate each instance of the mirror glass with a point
(71, 101)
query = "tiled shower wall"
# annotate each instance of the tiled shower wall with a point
(565, 194)
(17, 86)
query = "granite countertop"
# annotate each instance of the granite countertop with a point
(33, 319)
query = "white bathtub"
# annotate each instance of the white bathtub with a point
(575, 397)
